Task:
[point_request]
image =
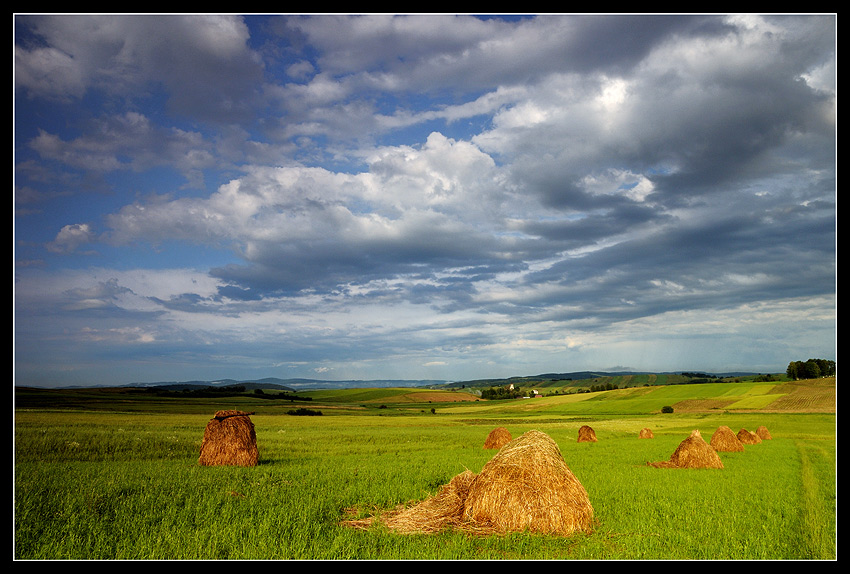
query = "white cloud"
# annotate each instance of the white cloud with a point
(71, 237)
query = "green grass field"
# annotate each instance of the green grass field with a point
(107, 474)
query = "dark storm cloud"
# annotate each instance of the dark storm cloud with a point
(708, 264)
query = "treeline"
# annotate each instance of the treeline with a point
(280, 396)
(811, 369)
(302, 412)
(603, 387)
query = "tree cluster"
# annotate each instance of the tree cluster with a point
(283, 396)
(811, 369)
(496, 393)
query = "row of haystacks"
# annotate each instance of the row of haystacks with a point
(526, 487)
(694, 452)
(725, 440)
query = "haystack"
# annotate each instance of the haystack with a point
(693, 452)
(725, 440)
(748, 437)
(498, 438)
(763, 433)
(229, 440)
(526, 486)
(586, 434)
(646, 433)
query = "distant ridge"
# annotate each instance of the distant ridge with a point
(296, 384)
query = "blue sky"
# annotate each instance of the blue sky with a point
(421, 196)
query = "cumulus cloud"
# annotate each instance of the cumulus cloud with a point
(70, 238)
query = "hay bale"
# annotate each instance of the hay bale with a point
(763, 433)
(725, 440)
(229, 440)
(748, 437)
(498, 438)
(528, 486)
(586, 434)
(646, 433)
(693, 452)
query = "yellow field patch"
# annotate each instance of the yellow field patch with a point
(429, 397)
(754, 402)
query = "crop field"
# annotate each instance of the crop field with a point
(113, 475)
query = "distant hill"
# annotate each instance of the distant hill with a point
(195, 385)
(289, 384)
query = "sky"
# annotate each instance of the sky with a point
(421, 196)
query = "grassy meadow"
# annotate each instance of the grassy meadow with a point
(107, 474)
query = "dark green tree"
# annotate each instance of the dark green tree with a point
(811, 369)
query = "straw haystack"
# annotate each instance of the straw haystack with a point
(693, 452)
(229, 440)
(586, 434)
(748, 437)
(646, 433)
(725, 440)
(763, 433)
(526, 486)
(498, 438)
